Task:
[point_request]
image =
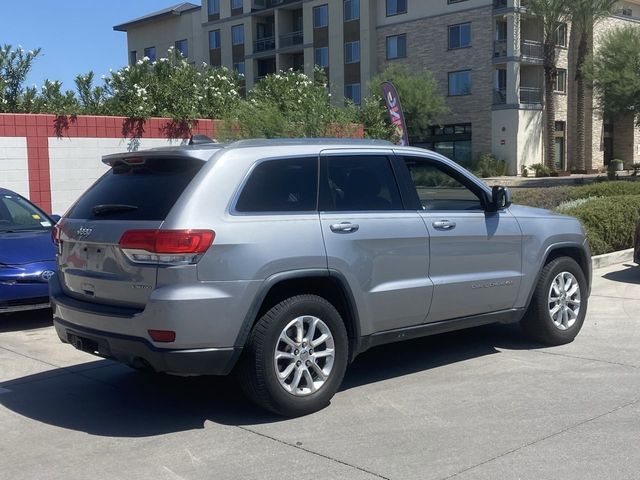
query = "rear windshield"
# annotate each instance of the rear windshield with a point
(137, 191)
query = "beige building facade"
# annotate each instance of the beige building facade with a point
(486, 56)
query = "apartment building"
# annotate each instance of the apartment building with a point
(486, 55)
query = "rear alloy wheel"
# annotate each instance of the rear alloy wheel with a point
(296, 356)
(559, 303)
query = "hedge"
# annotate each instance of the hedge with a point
(551, 197)
(610, 222)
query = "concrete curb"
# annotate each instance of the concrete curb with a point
(606, 259)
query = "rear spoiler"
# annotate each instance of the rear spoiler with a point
(177, 153)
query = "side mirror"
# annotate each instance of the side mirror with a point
(55, 218)
(500, 198)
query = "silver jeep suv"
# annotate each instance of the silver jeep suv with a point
(281, 260)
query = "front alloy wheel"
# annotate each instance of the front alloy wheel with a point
(564, 300)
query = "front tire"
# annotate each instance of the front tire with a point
(559, 304)
(296, 356)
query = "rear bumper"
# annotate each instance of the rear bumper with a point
(139, 352)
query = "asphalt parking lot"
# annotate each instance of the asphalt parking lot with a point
(478, 404)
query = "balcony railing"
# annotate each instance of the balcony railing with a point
(504, 3)
(291, 39)
(500, 96)
(531, 95)
(531, 49)
(500, 48)
(264, 44)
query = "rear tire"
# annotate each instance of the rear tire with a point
(280, 371)
(559, 304)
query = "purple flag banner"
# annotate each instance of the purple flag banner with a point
(392, 99)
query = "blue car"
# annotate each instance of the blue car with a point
(27, 254)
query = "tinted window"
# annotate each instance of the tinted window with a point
(359, 183)
(145, 191)
(287, 185)
(18, 214)
(438, 189)
(321, 16)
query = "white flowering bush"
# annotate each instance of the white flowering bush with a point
(15, 64)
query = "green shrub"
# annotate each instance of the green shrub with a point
(487, 165)
(548, 198)
(604, 189)
(610, 222)
(541, 170)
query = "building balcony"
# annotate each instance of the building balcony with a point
(500, 96)
(264, 44)
(528, 96)
(530, 50)
(531, 95)
(291, 39)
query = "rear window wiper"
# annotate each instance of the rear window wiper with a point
(112, 208)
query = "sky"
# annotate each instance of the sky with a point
(76, 36)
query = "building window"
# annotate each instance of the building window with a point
(452, 141)
(237, 35)
(183, 47)
(236, 4)
(150, 53)
(561, 81)
(396, 7)
(133, 57)
(352, 52)
(396, 46)
(455, 1)
(352, 92)
(351, 10)
(561, 35)
(322, 57)
(239, 68)
(214, 39)
(321, 16)
(460, 35)
(213, 7)
(460, 83)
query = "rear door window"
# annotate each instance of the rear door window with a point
(281, 185)
(139, 189)
(359, 183)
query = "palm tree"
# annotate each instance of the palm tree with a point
(584, 14)
(553, 13)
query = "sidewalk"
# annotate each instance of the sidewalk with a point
(532, 182)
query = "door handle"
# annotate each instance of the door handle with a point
(344, 227)
(444, 225)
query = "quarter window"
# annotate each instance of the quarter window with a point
(359, 183)
(460, 35)
(283, 185)
(321, 16)
(396, 46)
(439, 189)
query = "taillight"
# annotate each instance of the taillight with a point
(56, 232)
(168, 247)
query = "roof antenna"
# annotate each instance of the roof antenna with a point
(200, 140)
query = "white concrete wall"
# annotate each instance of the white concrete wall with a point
(14, 169)
(75, 163)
